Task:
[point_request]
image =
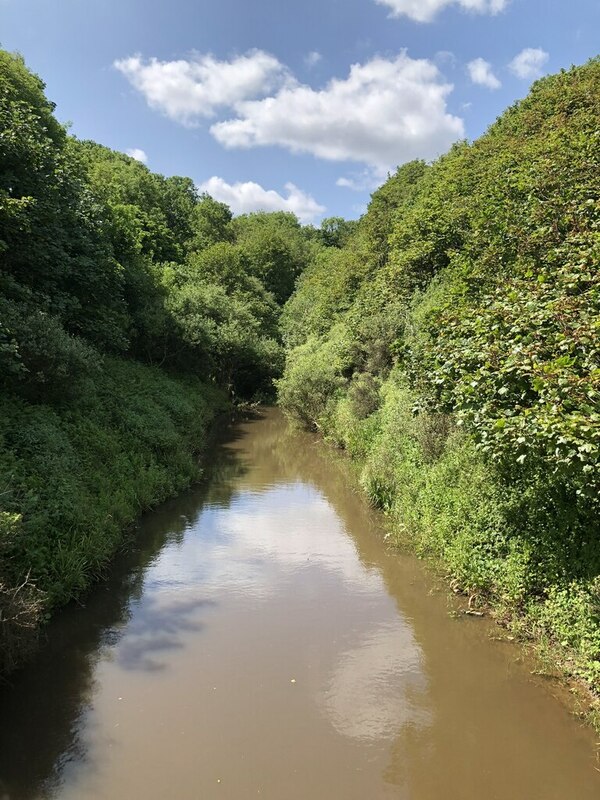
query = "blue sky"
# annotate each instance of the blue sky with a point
(302, 106)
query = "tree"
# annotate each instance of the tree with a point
(210, 223)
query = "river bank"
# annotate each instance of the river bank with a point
(451, 347)
(443, 502)
(266, 600)
(75, 477)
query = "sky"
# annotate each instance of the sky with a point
(274, 104)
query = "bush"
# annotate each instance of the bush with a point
(20, 606)
(46, 363)
(79, 475)
(478, 287)
(314, 377)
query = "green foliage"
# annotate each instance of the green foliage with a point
(158, 213)
(336, 231)
(78, 475)
(225, 336)
(54, 249)
(324, 293)
(470, 382)
(110, 276)
(572, 615)
(274, 250)
(45, 362)
(398, 192)
(537, 401)
(313, 377)
(211, 223)
(99, 251)
(20, 606)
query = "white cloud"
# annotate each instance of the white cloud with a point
(427, 10)
(350, 183)
(529, 63)
(188, 89)
(386, 112)
(367, 180)
(312, 58)
(138, 154)
(480, 71)
(243, 198)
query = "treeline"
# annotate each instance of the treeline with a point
(103, 256)
(132, 310)
(453, 347)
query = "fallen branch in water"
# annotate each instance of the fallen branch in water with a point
(20, 612)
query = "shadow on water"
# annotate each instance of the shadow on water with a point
(159, 630)
(41, 707)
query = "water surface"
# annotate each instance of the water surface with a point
(260, 640)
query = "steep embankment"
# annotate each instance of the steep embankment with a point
(453, 348)
(131, 310)
(76, 477)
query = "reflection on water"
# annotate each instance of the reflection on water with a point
(259, 640)
(379, 686)
(156, 631)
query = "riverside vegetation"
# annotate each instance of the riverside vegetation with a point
(448, 341)
(453, 348)
(132, 311)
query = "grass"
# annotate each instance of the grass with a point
(75, 477)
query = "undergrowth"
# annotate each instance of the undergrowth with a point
(73, 479)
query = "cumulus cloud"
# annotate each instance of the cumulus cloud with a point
(243, 198)
(191, 88)
(529, 63)
(138, 154)
(427, 10)
(480, 71)
(384, 113)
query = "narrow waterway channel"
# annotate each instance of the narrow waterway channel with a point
(260, 640)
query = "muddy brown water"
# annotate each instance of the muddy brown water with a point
(260, 640)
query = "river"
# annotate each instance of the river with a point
(260, 640)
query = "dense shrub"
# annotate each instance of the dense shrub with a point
(78, 475)
(470, 383)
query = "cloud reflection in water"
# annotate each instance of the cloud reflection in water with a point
(379, 687)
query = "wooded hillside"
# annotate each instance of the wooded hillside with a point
(132, 310)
